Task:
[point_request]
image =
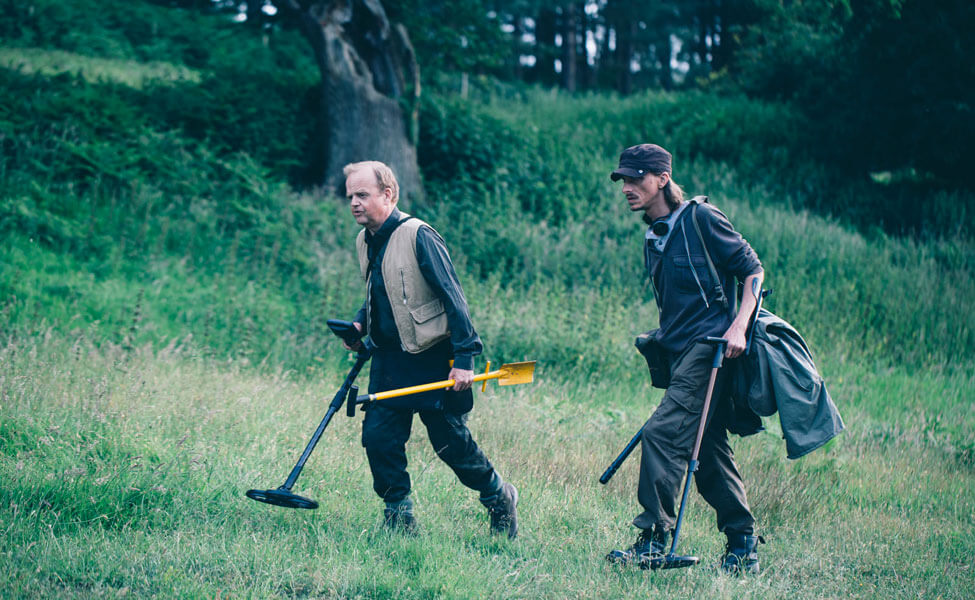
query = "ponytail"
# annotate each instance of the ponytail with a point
(673, 194)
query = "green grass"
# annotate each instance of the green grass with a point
(124, 473)
(129, 436)
(129, 72)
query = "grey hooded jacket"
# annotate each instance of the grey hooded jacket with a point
(779, 375)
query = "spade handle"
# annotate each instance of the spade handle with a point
(426, 387)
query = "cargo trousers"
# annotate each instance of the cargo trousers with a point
(667, 442)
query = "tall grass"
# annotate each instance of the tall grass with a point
(518, 186)
(124, 474)
(55, 62)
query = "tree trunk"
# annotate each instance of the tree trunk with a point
(546, 26)
(514, 61)
(569, 46)
(723, 44)
(255, 13)
(367, 66)
(624, 52)
(587, 32)
(666, 50)
(704, 22)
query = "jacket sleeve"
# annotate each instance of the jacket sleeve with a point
(360, 315)
(438, 270)
(729, 251)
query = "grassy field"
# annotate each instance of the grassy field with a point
(124, 475)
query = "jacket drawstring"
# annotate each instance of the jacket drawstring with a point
(690, 263)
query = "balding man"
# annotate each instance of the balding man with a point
(416, 314)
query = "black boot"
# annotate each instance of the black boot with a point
(649, 548)
(399, 517)
(740, 554)
(504, 512)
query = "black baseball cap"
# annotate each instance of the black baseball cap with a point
(637, 161)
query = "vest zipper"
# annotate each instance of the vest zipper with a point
(402, 278)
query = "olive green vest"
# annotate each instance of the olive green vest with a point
(419, 314)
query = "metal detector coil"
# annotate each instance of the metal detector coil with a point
(282, 497)
(646, 563)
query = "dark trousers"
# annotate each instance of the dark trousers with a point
(668, 440)
(385, 431)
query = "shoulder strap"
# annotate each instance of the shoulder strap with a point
(722, 297)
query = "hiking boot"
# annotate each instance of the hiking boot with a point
(400, 519)
(740, 554)
(504, 513)
(648, 550)
(400, 522)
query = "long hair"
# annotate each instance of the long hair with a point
(673, 194)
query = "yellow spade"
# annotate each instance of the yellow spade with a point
(508, 374)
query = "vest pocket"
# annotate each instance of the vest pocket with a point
(429, 322)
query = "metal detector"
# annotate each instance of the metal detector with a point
(283, 496)
(672, 560)
(615, 466)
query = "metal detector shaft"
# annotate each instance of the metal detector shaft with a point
(332, 409)
(613, 468)
(719, 346)
(759, 296)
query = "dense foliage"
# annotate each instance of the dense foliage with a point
(883, 86)
(148, 199)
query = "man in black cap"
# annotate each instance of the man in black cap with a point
(692, 307)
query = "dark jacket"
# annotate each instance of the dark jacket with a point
(779, 375)
(687, 295)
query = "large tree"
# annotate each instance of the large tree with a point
(369, 91)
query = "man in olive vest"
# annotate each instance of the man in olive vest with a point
(416, 314)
